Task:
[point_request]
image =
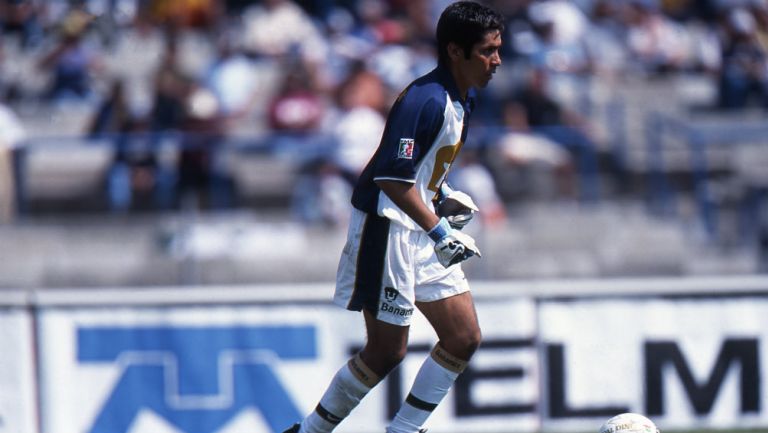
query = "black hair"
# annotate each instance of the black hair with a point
(465, 23)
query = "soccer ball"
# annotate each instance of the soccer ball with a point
(629, 423)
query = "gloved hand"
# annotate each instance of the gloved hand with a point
(455, 206)
(452, 246)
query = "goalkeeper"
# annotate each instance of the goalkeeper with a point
(400, 254)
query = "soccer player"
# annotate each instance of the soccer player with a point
(400, 254)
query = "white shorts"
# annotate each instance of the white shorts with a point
(386, 268)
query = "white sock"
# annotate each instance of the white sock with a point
(350, 384)
(433, 381)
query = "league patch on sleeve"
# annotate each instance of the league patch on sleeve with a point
(405, 150)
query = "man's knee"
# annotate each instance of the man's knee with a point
(472, 341)
(463, 345)
(394, 356)
(383, 358)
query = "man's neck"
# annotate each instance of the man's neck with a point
(461, 85)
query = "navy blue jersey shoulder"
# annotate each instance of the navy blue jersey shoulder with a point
(413, 124)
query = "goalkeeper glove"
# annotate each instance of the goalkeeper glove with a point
(452, 246)
(455, 206)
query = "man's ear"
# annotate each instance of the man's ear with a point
(455, 52)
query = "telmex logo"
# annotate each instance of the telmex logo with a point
(197, 379)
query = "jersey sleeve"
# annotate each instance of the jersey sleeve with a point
(412, 126)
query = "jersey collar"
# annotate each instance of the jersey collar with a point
(453, 90)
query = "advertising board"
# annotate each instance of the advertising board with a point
(17, 373)
(688, 363)
(690, 354)
(231, 369)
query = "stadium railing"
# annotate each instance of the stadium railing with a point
(700, 140)
(62, 168)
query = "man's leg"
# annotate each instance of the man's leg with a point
(385, 348)
(455, 322)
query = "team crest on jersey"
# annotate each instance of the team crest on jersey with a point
(390, 293)
(405, 150)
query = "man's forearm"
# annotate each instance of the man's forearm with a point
(405, 196)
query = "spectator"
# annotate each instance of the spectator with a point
(184, 106)
(201, 181)
(521, 38)
(135, 56)
(605, 40)
(759, 9)
(345, 47)
(298, 107)
(172, 88)
(537, 108)
(359, 123)
(743, 78)
(551, 35)
(276, 28)
(12, 135)
(21, 18)
(422, 15)
(532, 109)
(322, 193)
(568, 17)
(376, 25)
(658, 44)
(185, 13)
(231, 79)
(399, 64)
(131, 174)
(72, 62)
(403, 51)
(524, 162)
(472, 177)
(3, 79)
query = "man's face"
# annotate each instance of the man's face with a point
(478, 69)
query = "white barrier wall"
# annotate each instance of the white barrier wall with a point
(17, 381)
(686, 363)
(253, 369)
(561, 357)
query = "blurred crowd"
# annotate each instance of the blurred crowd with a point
(321, 74)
